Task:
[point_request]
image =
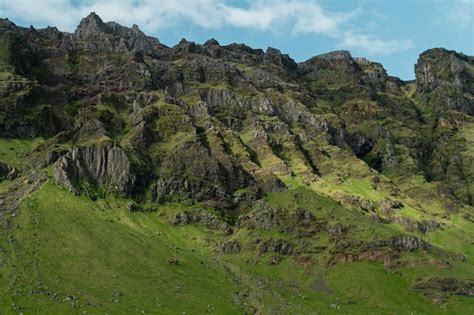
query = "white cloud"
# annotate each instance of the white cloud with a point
(373, 45)
(149, 14)
(302, 16)
(291, 17)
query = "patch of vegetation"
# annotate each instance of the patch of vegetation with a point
(13, 151)
(74, 59)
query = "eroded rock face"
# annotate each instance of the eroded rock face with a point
(98, 165)
(274, 56)
(399, 243)
(336, 229)
(300, 222)
(195, 174)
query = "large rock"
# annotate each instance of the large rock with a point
(103, 165)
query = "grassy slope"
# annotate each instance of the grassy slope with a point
(360, 287)
(72, 247)
(83, 252)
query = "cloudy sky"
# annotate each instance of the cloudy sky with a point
(393, 32)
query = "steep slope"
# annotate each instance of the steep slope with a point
(272, 184)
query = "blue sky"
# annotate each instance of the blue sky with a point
(388, 31)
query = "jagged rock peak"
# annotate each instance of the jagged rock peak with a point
(89, 26)
(186, 46)
(114, 37)
(184, 42)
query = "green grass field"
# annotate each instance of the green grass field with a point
(83, 256)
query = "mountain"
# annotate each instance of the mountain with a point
(135, 177)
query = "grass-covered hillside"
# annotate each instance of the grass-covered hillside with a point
(139, 178)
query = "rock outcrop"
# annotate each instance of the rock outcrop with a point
(279, 246)
(448, 76)
(438, 288)
(98, 165)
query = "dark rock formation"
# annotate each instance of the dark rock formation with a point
(274, 56)
(197, 215)
(194, 173)
(100, 165)
(386, 205)
(230, 247)
(355, 201)
(4, 170)
(276, 246)
(336, 229)
(438, 288)
(407, 242)
(423, 226)
(264, 217)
